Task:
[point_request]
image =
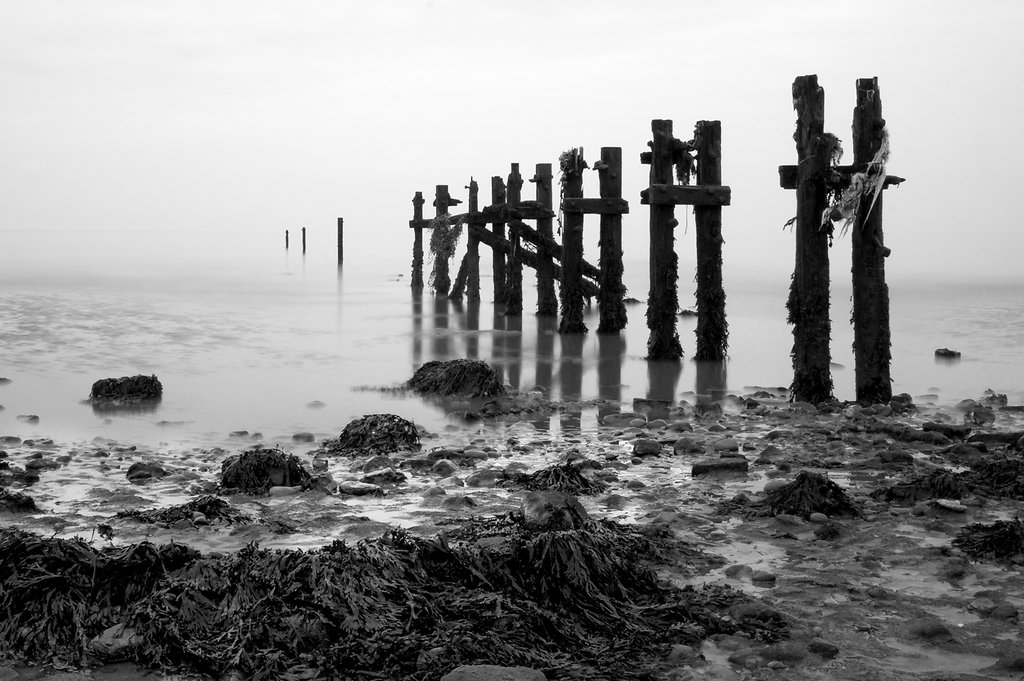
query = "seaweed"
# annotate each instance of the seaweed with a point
(564, 477)
(1000, 476)
(1002, 539)
(256, 470)
(16, 502)
(810, 493)
(374, 433)
(127, 389)
(463, 377)
(210, 506)
(940, 484)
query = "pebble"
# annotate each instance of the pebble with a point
(823, 648)
(303, 437)
(727, 444)
(772, 485)
(818, 518)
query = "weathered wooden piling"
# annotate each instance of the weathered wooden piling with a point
(498, 230)
(417, 224)
(712, 328)
(808, 303)
(871, 334)
(341, 240)
(547, 300)
(571, 293)
(286, 239)
(514, 281)
(303, 239)
(663, 298)
(611, 300)
(473, 245)
(441, 282)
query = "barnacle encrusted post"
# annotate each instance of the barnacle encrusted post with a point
(871, 334)
(514, 274)
(808, 303)
(611, 298)
(712, 328)
(572, 166)
(663, 298)
(547, 299)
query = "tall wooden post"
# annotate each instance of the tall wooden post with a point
(473, 245)
(442, 282)
(712, 328)
(498, 253)
(611, 298)
(286, 239)
(871, 335)
(571, 292)
(809, 294)
(303, 239)
(663, 299)
(547, 301)
(514, 283)
(341, 240)
(417, 245)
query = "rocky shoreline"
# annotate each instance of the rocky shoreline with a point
(908, 577)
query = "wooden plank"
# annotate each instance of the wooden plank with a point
(686, 195)
(838, 179)
(608, 206)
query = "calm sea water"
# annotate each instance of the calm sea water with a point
(247, 336)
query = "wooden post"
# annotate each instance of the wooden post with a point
(341, 240)
(808, 303)
(871, 335)
(498, 229)
(712, 328)
(570, 291)
(547, 301)
(442, 282)
(417, 245)
(663, 299)
(473, 246)
(514, 281)
(611, 299)
(286, 239)
(303, 239)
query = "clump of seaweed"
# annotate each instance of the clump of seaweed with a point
(256, 470)
(1000, 476)
(16, 502)
(940, 484)
(1002, 539)
(213, 508)
(810, 493)
(564, 477)
(463, 377)
(127, 389)
(374, 433)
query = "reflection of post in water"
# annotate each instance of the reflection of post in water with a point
(442, 337)
(662, 379)
(547, 327)
(473, 329)
(711, 380)
(570, 376)
(498, 342)
(417, 327)
(514, 349)
(611, 349)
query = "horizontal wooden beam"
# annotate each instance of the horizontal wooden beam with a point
(595, 206)
(546, 245)
(419, 224)
(838, 177)
(686, 195)
(529, 258)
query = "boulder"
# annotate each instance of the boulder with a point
(127, 389)
(490, 672)
(359, 489)
(685, 445)
(464, 377)
(549, 510)
(144, 470)
(256, 470)
(374, 434)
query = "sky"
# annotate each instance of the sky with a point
(258, 116)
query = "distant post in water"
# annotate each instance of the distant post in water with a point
(712, 327)
(808, 303)
(286, 239)
(498, 253)
(341, 238)
(663, 298)
(571, 289)
(303, 239)
(871, 334)
(547, 301)
(611, 298)
(417, 224)
(514, 282)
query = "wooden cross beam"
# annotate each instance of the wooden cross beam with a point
(836, 177)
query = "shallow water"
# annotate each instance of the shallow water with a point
(247, 336)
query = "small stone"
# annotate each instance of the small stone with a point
(775, 484)
(761, 577)
(434, 491)
(636, 460)
(359, 489)
(458, 502)
(637, 423)
(823, 648)
(384, 476)
(30, 419)
(776, 664)
(646, 447)
(727, 444)
(142, 471)
(726, 466)
(443, 467)
(933, 631)
(283, 491)
(619, 420)
(303, 437)
(635, 484)
(818, 518)
(1003, 611)
(685, 445)
(738, 571)
(183, 524)
(10, 440)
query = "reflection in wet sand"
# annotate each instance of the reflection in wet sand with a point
(712, 383)
(570, 377)
(611, 351)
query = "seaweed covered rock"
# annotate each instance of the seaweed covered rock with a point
(211, 509)
(998, 475)
(1000, 540)
(463, 377)
(16, 502)
(810, 493)
(564, 477)
(127, 389)
(545, 511)
(374, 434)
(940, 484)
(256, 470)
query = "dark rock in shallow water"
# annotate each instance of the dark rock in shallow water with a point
(374, 434)
(255, 471)
(127, 389)
(141, 471)
(466, 377)
(30, 419)
(946, 353)
(16, 502)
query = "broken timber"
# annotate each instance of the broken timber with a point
(708, 196)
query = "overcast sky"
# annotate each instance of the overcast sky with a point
(256, 115)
